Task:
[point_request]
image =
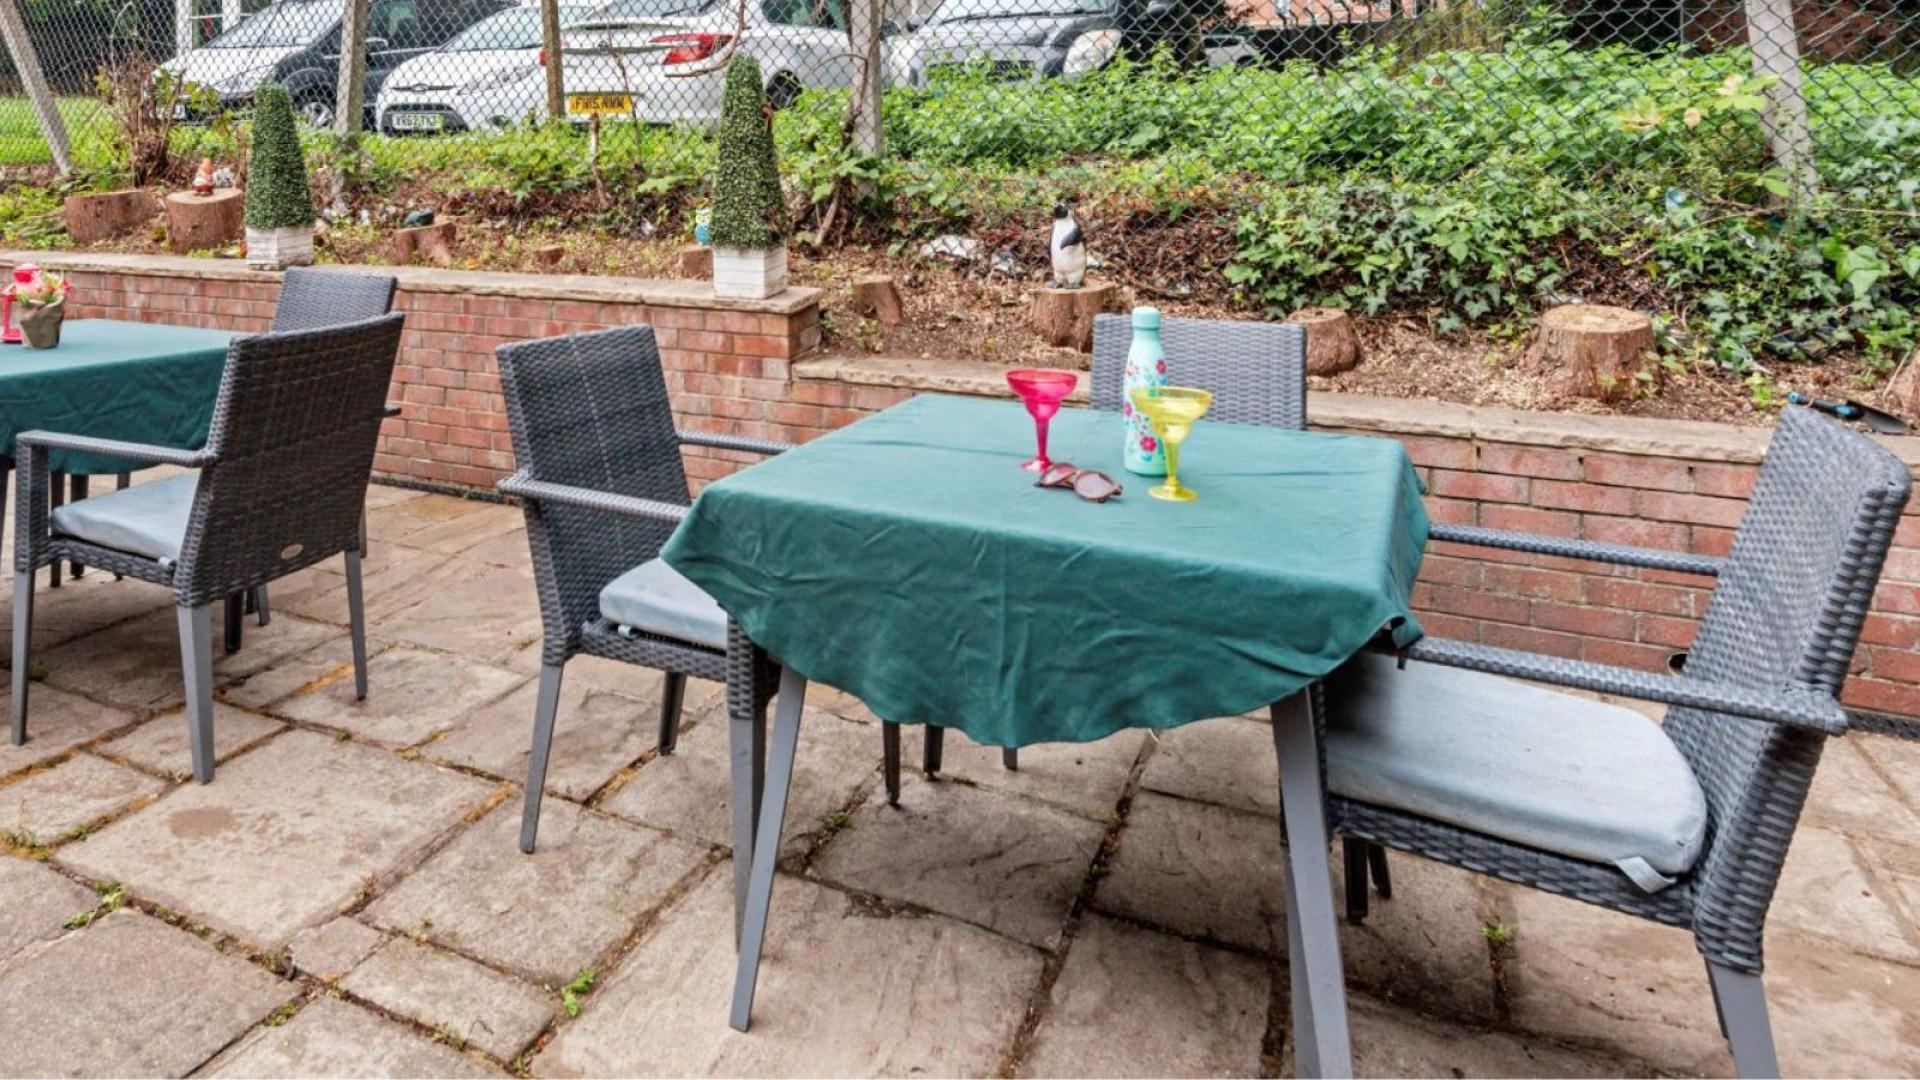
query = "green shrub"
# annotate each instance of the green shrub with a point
(748, 208)
(277, 193)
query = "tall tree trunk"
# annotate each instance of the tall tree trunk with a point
(864, 18)
(1776, 54)
(550, 49)
(27, 62)
(349, 98)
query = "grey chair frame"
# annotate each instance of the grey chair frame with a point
(282, 486)
(1750, 713)
(1258, 374)
(602, 483)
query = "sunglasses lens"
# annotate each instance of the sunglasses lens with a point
(1096, 486)
(1056, 476)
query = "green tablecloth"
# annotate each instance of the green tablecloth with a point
(908, 560)
(140, 382)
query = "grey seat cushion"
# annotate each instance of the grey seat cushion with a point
(654, 599)
(147, 519)
(1532, 766)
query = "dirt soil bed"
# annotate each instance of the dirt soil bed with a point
(978, 310)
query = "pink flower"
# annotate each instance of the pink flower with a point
(1148, 443)
(1160, 366)
(1126, 409)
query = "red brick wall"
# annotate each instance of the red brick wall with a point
(727, 369)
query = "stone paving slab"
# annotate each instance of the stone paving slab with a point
(473, 1004)
(412, 695)
(58, 721)
(1838, 1014)
(52, 805)
(136, 664)
(1132, 1002)
(1427, 946)
(127, 996)
(1007, 864)
(490, 522)
(330, 1038)
(596, 734)
(1228, 762)
(1389, 1041)
(81, 607)
(285, 837)
(332, 949)
(465, 607)
(164, 745)
(1200, 871)
(844, 991)
(688, 791)
(389, 574)
(38, 902)
(1827, 892)
(1852, 794)
(330, 661)
(545, 915)
(1085, 778)
(395, 522)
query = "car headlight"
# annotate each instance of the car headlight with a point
(1091, 51)
(497, 79)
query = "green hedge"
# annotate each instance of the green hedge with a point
(278, 196)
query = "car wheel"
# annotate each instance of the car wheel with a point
(783, 91)
(315, 109)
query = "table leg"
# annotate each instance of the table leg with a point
(747, 737)
(766, 845)
(1319, 993)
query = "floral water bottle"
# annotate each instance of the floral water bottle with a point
(1146, 367)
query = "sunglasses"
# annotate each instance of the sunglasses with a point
(1086, 483)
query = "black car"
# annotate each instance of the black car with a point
(297, 43)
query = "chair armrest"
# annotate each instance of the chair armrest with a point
(1590, 550)
(87, 444)
(1796, 706)
(734, 442)
(520, 486)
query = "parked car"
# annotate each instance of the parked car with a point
(489, 76)
(1018, 39)
(297, 44)
(654, 60)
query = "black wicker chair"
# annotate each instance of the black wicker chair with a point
(602, 483)
(282, 485)
(1686, 824)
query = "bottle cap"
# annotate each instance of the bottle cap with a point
(1146, 318)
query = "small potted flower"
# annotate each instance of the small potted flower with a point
(749, 228)
(40, 305)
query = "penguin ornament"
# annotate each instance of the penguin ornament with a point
(1069, 250)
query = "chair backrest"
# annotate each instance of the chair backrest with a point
(1786, 611)
(310, 299)
(1257, 371)
(591, 411)
(294, 429)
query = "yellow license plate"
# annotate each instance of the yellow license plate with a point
(599, 104)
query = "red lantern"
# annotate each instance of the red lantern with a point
(23, 275)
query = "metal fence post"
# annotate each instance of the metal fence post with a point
(13, 27)
(1776, 54)
(350, 96)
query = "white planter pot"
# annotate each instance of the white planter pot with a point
(277, 249)
(749, 273)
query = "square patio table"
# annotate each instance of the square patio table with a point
(137, 382)
(908, 560)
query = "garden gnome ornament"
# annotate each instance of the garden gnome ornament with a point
(1069, 249)
(203, 178)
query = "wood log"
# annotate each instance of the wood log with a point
(878, 297)
(1901, 395)
(1592, 350)
(1333, 346)
(1064, 317)
(205, 222)
(103, 216)
(696, 262)
(550, 256)
(433, 243)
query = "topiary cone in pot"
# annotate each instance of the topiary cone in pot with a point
(279, 202)
(749, 212)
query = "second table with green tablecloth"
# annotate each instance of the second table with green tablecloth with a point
(137, 382)
(908, 560)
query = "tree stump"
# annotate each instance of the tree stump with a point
(434, 243)
(1064, 317)
(550, 256)
(1592, 350)
(696, 262)
(1333, 346)
(93, 218)
(1902, 392)
(204, 222)
(878, 297)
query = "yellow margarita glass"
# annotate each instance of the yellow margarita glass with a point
(1172, 410)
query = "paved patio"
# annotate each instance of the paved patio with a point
(347, 897)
